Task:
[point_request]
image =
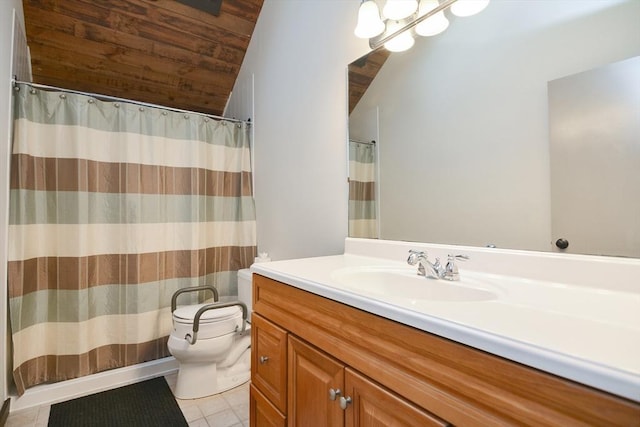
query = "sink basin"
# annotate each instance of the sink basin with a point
(406, 284)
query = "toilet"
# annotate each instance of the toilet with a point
(214, 355)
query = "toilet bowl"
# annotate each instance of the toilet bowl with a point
(211, 343)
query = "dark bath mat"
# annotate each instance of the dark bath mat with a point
(145, 404)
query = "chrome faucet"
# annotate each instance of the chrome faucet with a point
(425, 267)
(435, 270)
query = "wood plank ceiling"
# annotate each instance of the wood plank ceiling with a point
(156, 51)
(362, 72)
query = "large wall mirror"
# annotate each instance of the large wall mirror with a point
(516, 127)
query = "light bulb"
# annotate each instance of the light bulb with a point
(434, 24)
(468, 7)
(369, 22)
(402, 41)
(399, 9)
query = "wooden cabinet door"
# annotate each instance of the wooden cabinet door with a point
(262, 413)
(371, 405)
(269, 360)
(311, 376)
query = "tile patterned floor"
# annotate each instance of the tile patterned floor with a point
(229, 409)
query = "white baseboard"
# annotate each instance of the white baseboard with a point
(48, 394)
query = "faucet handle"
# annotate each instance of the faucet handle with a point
(414, 256)
(451, 269)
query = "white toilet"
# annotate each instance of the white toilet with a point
(214, 353)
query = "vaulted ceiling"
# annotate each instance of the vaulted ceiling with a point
(362, 72)
(156, 51)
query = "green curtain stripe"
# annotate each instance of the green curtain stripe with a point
(50, 306)
(64, 207)
(362, 153)
(48, 107)
(362, 209)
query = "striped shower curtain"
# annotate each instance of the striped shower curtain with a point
(113, 207)
(363, 220)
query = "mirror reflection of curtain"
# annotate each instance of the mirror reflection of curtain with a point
(114, 207)
(363, 220)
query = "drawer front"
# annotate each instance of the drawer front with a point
(262, 412)
(269, 360)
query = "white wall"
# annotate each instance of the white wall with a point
(471, 156)
(594, 125)
(298, 57)
(6, 73)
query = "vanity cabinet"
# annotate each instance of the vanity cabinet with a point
(391, 374)
(320, 390)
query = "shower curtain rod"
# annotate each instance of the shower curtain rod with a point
(114, 98)
(372, 142)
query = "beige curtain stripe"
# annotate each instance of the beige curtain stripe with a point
(225, 150)
(61, 174)
(125, 238)
(363, 228)
(81, 336)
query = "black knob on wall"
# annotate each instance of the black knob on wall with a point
(562, 243)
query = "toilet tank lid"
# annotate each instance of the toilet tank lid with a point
(245, 273)
(188, 312)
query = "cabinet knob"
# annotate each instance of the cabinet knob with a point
(264, 359)
(562, 243)
(344, 402)
(333, 394)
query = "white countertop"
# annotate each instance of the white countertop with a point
(581, 333)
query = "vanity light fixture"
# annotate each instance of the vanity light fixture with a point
(369, 22)
(402, 18)
(435, 24)
(399, 9)
(401, 42)
(468, 7)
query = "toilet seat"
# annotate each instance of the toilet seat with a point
(214, 355)
(186, 313)
(213, 323)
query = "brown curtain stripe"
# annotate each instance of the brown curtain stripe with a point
(66, 367)
(60, 174)
(39, 274)
(362, 190)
